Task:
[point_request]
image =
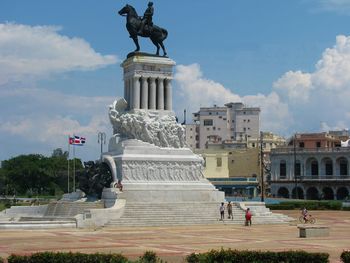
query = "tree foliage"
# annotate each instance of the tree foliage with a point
(35, 174)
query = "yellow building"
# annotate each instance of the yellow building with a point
(234, 171)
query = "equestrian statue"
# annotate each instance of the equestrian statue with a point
(144, 27)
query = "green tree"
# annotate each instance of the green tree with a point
(35, 174)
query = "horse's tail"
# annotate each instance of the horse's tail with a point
(164, 33)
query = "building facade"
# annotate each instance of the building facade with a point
(234, 171)
(312, 167)
(216, 125)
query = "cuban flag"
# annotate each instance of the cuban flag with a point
(77, 140)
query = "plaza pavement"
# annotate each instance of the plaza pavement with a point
(174, 243)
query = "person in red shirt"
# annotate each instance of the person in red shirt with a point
(248, 217)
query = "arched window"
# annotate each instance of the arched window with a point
(283, 192)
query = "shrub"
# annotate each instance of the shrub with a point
(345, 256)
(309, 204)
(62, 257)
(149, 257)
(1, 260)
(257, 257)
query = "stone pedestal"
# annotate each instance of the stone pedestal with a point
(154, 174)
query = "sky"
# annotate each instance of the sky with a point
(60, 65)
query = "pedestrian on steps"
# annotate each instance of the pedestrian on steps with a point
(222, 211)
(248, 217)
(229, 210)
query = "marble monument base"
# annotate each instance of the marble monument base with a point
(159, 175)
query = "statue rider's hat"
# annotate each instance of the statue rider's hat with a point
(150, 3)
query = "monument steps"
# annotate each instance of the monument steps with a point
(162, 214)
(153, 214)
(69, 209)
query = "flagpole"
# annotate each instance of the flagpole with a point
(68, 161)
(73, 167)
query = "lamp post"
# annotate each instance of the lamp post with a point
(295, 164)
(262, 167)
(101, 140)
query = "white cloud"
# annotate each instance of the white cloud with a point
(322, 95)
(295, 85)
(45, 118)
(339, 6)
(299, 101)
(196, 91)
(37, 51)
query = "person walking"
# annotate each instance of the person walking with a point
(248, 217)
(222, 211)
(229, 210)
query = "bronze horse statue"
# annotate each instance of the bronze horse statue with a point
(133, 24)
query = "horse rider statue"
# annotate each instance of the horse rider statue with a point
(147, 18)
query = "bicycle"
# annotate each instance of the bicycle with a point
(309, 219)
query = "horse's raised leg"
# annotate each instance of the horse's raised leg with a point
(136, 41)
(162, 45)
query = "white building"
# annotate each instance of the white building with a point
(215, 125)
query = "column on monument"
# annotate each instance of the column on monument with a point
(168, 95)
(160, 94)
(144, 93)
(152, 94)
(136, 93)
(131, 94)
(126, 90)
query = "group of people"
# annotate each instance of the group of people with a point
(248, 214)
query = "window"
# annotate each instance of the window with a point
(197, 138)
(283, 169)
(190, 137)
(218, 162)
(205, 162)
(253, 145)
(301, 144)
(214, 128)
(224, 119)
(209, 113)
(190, 129)
(217, 113)
(208, 122)
(219, 129)
(297, 168)
(197, 145)
(318, 144)
(244, 128)
(248, 120)
(220, 117)
(207, 129)
(329, 168)
(314, 168)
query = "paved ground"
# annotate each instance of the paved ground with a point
(174, 243)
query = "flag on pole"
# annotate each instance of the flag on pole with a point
(345, 144)
(77, 140)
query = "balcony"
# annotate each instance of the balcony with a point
(311, 150)
(324, 177)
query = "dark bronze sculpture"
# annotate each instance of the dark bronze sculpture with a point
(94, 178)
(144, 27)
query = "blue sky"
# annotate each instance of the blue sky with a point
(60, 64)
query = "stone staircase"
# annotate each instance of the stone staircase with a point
(70, 209)
(162, 214)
